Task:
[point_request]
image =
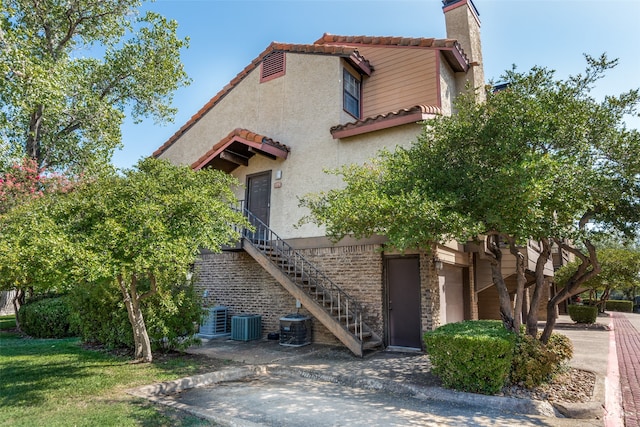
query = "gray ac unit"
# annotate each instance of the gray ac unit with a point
(215, 325)
(246, 327)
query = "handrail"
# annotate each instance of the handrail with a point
(300, 270)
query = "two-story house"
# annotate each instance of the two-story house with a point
(297, 110)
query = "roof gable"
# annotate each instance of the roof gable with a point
(328, 44)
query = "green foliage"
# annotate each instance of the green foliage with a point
(583, 313)
(65, 109)
(473, 356)
(542, 159)
(140, 230)
(101, 317)
(615, 305)
(24, 181)
(34, 250)
(535, 363)
(172, 315)
(47, 318)
(151, 220)
(620, 271)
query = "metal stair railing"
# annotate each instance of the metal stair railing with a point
(341, 306)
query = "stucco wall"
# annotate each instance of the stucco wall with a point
(278, 110)
(451, 294)
(448, 89)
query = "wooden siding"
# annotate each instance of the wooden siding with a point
(489, 302)
(402, 78)
(533, 253)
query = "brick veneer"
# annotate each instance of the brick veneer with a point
(236, 281)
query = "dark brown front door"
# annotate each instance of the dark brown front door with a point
(403, 303)
(259, 195)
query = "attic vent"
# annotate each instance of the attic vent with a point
(273, 66)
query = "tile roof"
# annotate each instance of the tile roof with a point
(245, 137)
(328, 44)
(331, 39)
(384, 121)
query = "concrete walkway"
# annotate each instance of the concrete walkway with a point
(326, 385)
(626, 327)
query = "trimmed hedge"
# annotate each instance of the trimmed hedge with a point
(613, 305)
(583, 313)
(46, 318)
(472, 356)
(616, 305)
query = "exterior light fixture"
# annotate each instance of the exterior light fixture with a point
(438, 264)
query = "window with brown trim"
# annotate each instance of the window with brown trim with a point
(273, 66)
(352, 94)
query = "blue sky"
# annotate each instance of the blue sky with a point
(227, 35)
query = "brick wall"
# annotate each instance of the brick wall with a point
(429, 293)
(357, 270)
(236, 281)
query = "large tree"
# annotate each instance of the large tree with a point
(141, 231)
(70, 70)
(620, 271)
(541, 159)
(20, 183)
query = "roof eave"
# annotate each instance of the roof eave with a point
(381, 124)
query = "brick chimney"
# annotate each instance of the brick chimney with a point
(463, 24)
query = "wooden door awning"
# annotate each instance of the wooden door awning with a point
(237, 148)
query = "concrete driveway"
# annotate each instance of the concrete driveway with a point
(320, 385)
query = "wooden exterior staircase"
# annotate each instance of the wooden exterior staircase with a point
(330, 305)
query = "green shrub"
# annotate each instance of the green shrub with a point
(615, 305)
(535, 363)
(169, 317)
(472, 356)
(46, 318)
(172, 318)
(100, 315)
(583, 313)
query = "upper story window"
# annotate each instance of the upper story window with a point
(351, 94)
(273, 65)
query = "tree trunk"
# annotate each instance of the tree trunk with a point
(498, 281)
(521, 281)
(142, 344)
(602, 304)
(541, 282)
(588, 268)
(18, 301)
(33, 148)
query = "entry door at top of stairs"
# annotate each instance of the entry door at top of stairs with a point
(258, 196)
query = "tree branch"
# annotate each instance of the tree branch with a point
(154, 286)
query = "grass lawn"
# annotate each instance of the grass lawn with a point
(56, 382)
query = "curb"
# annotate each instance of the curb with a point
(156, 393)
(613, 395)
(176, 386)
(507, 404)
